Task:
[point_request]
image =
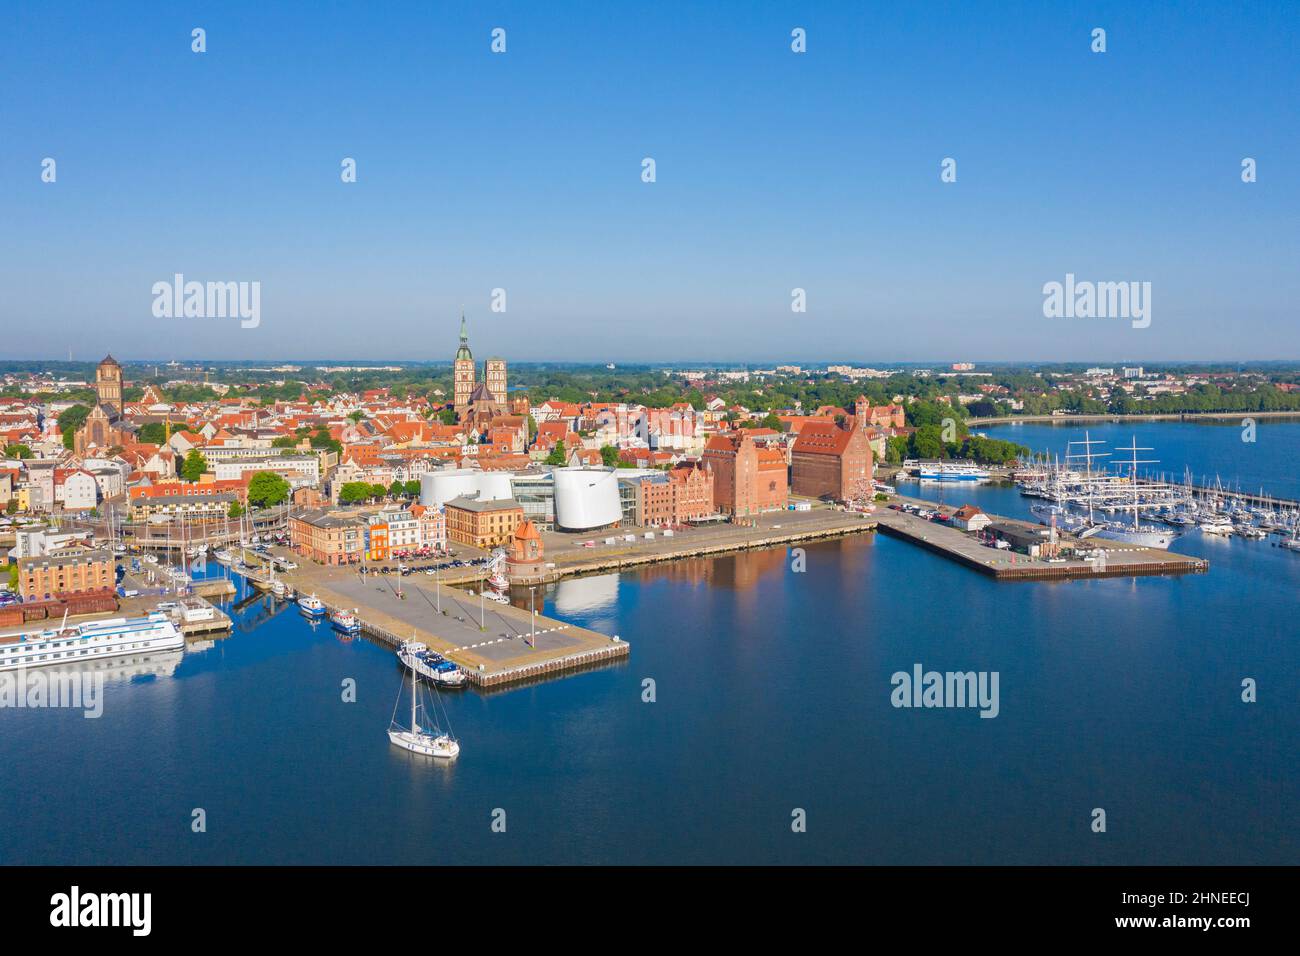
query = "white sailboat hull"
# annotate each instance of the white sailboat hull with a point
(442, 747)
(1147, 539)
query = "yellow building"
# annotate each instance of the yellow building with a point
(483, 524)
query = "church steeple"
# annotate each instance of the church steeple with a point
(463, 352)
(463, 370)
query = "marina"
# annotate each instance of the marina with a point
(1083, 498)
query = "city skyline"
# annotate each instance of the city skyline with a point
(775, 171)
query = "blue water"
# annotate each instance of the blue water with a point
(773, 693)
(1208, 449)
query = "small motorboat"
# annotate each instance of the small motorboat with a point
(311, 606)
(345, 621)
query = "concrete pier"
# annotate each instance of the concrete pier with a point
(1120, 559)
(494, 644)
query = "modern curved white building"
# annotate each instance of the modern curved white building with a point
(439, 487)
(586, 498)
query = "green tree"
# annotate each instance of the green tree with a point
(447, 416)
(13, 577)
(70, 419)
(267, 489)
(321, 439)
(609, 456)
(927, 442)
(556, 457)
(236, 510)
(378, 491)
(355, 492)
(397, 489)
(152, 433)
(413, 488)
(896, 449)
(18, 451)
(194, 465)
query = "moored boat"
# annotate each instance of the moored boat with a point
(429, 742)
(89, 641)
(430, 664)
(345, 621)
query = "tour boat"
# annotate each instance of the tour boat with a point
(430, 664)
(417, 739)
(946, 472)
(311, 606)
(345, 621)
(92, 640)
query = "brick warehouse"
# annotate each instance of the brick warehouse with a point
(747, 479)
(828, 461)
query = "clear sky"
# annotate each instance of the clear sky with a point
(775, 170)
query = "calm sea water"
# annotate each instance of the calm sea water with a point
(773, 693)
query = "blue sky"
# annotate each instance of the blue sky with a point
(774, 171)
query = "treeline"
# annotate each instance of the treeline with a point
(1200, 398)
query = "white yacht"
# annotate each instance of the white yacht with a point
(89, 641)
(417, 739)
(430, 664)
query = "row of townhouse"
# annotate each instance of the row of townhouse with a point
(341, 535)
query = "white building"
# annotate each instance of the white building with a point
(78, 491)
(586, 498)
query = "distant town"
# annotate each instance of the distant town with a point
(364, 462)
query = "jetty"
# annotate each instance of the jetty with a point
(1109, 558)
(494, 644)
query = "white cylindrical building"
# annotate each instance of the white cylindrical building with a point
(586, 498)
(439, 487)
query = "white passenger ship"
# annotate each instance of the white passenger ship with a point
(90, 641)
(945, 472)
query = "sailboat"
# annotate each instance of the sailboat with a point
(416, 739)
(1146, 535)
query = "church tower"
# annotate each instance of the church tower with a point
(494, 374)
(108, 385)
(463, 371)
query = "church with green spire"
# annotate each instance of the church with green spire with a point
(464, 391)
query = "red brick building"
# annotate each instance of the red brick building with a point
(692, 491)
(881, 416)
(828, 461)
(64, 573)
(747, 479)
